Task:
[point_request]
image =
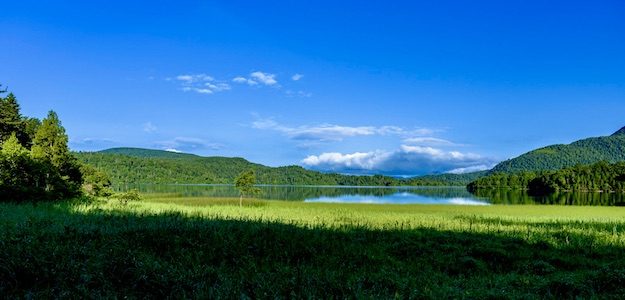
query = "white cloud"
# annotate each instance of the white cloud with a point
(297, 77)
(201, 84)
(324, 132)
(240, 79)
(429, 141)
(149, 127)
(408, 160)
(191, 78)
(331, 132)
(217, 87)
(197, 90)
(91, 143)
(301, 94)
(188, 144)
(256, 78)
(471, 169)
(173, 150)
(351, 161)
(264, 78)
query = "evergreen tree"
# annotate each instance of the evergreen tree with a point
(50, 141)
(63, 177)
(30, 129)
(11, 119)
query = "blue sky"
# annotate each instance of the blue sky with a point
(400, 87)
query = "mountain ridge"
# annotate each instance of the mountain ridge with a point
(619, 132)
(138, 165)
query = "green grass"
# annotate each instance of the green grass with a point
(171, 246)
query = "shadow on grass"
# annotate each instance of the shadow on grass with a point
(104, 254)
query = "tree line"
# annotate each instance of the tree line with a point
(35, 160)
(129, 166)
(601, 176)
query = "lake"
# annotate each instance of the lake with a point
(387, 195)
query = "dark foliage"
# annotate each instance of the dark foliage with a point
(598, 177)
(35, 162)
(587, 151)
(133, 165)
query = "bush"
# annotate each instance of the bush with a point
(129, 196)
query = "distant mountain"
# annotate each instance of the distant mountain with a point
(140, 152)
(587, 151)
(136, 165)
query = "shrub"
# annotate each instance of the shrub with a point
(129, 196)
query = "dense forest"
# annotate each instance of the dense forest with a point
(555, 157)
(601, 176)
(134, 165)
(35, 161)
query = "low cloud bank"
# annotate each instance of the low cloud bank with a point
(408, 160)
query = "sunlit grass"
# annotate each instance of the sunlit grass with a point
(167, 245)
(531, 222)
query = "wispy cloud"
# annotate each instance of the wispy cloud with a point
(193, 78)
(301, 94)
(331, 132)
(149, 127)
(93, 141)
(430, 141)
(201, 84)
(407, 160)
(264, 78)
(258, 77)
(90, 143)
(187, 144)
(241, 79)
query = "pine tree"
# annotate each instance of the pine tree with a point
(63, 177)
(30, 129)
(50, 142)
(11, 119)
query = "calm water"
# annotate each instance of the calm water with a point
(394, 195)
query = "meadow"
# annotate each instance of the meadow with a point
(172, 246)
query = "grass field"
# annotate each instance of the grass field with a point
(170, 246)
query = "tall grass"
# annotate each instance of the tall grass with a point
(171, 246)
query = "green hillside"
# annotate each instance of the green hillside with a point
(555, 157)
(135, 165)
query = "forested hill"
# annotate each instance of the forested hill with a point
(135, 165)
(588, 151)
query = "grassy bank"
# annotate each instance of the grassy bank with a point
(177, 247)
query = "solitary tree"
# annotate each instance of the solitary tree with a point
(245, 183)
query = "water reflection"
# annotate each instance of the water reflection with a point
(399, 198)
(567, 198)
(397, 195)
